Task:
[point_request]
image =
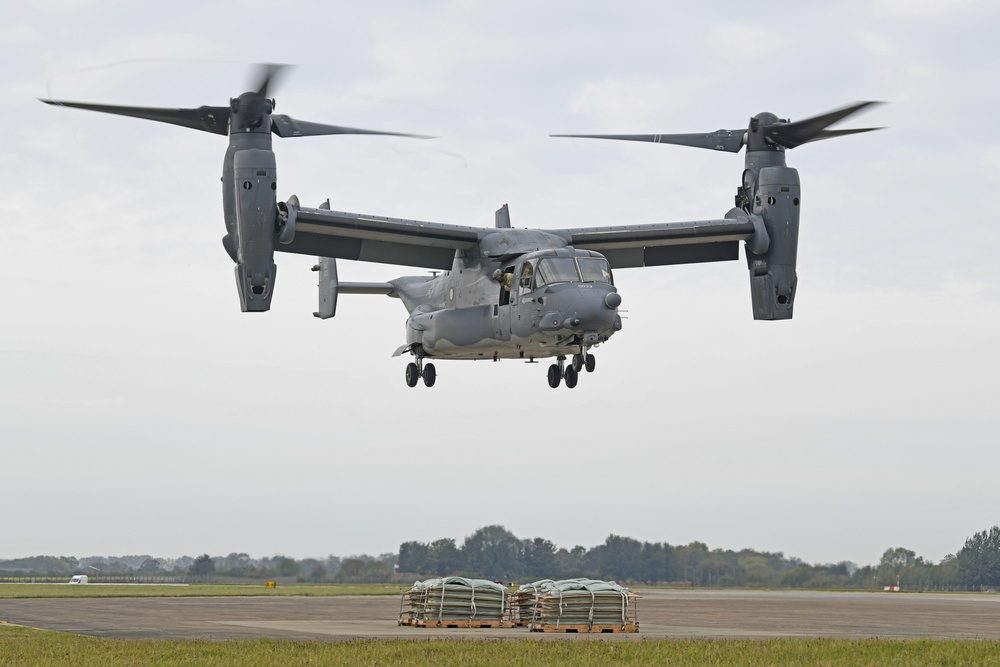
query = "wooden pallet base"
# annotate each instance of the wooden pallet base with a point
(584, 628)
(454, 623)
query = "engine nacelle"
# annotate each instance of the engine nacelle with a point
(255, 183)
(772, 273)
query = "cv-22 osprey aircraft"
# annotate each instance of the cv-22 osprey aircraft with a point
(499, 293)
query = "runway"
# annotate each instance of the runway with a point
(662, 614)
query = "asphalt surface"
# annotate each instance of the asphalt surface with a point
(661, 614)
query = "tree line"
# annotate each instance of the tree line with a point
(204, 568)
(495, 553)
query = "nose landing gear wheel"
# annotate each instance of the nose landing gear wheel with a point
(555, 375)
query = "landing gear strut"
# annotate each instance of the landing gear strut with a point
(417, 370)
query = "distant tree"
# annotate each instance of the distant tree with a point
(202, 566)
(948, 576)
(493, 552)
(117, 567)
(236, 565)
(620, 559)
(659, 564)
(285, 567)
(446, 557)
(41, 565)
(416, 557)
(538, 558)
(799, 576)
(979, 559)
(691, 560)
(317, 573)
(569, 564)
(332, 565)
(899, 564)
(150, 566)
(364, 570)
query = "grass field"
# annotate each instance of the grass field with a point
(24, 646)
(18, 591)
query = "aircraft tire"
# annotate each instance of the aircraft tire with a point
(555, 376)
(578, 362)
(430, 375)
(412, 374)
(571, 376)
(590, 363)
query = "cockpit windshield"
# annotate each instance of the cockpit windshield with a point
(572, 270)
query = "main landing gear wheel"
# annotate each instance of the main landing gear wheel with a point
(590, 363)
(578, 362)
(560, 371)
(416, 370)
(555, 375)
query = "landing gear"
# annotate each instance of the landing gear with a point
(571, 373)
(584, 360)
(555, 375)
(415, 371)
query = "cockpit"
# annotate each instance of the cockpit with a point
(552, 270)
(552, 267)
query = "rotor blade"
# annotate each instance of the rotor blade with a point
(205, 118)
(830, 134)
(286, 126)
(720, 140)
(800, 132)
(266, 77)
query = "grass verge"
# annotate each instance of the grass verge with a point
(25, 646)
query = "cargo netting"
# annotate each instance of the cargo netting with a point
(452, 600)
(581, 603)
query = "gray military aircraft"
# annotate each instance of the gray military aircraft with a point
(500, 293)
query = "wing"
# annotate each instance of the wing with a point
(372, 238)
(629, 246)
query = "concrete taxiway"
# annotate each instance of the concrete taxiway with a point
(662, 614)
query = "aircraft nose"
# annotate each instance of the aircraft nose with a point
(597, 314)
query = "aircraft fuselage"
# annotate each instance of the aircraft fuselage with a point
(544, 303)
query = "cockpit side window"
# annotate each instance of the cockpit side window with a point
(527, 273)
(506, 280)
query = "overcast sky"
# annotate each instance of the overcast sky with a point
(142, 412)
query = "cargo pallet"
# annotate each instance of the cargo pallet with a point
(454, 623)
(583, 627)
